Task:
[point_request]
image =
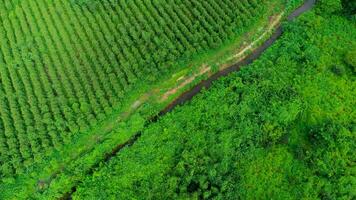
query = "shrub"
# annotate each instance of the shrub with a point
(350, 59)
(329, 6)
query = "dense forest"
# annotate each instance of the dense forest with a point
(283, 127)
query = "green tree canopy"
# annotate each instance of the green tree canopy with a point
(329, 6)
(350, 59)
(349, 6)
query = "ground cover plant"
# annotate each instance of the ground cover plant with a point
(281, 128)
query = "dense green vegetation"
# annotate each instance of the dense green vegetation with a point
(66, 65)
(70, 71)
(349, 6)
(281, 128)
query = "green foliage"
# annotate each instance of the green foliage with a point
(329, 6)
(274, 174)
(281, 128)
(67, 66)
(349, 6)
(350, 59)
(92, 5)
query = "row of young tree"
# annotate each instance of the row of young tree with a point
(64, 66)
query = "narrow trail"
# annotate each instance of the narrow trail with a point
(261, 37)
(188, 95)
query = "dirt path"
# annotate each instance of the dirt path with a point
(188, 80)
(243, 59)
(240, 59)
(207, 69)
(274, 22)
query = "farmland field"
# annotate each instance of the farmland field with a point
(65, 65)
(80, 78)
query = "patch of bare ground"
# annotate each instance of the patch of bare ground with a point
(204, 69)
